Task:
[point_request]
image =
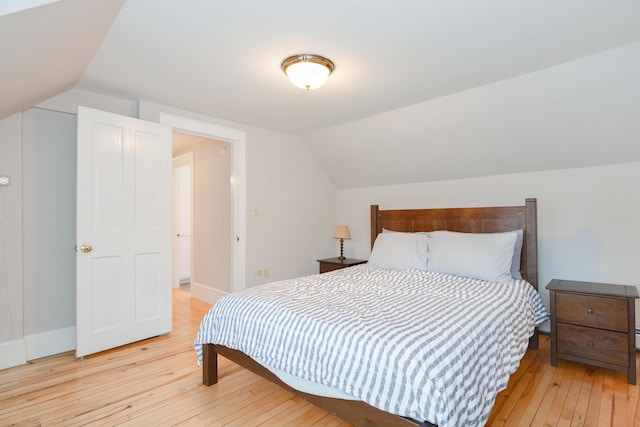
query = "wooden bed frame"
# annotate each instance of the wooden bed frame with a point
(476, 220)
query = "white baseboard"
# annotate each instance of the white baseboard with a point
(51, 342)
(13, 353)
(205, 293)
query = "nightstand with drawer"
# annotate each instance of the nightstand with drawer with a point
(331, 264)
(593, 323)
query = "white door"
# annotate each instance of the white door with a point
(182, 217)
(123, 230)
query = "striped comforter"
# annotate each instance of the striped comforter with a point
(423, 345)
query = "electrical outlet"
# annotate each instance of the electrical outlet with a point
(263, 272)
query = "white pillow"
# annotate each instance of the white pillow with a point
(517, 252)
(485, 256)
(400, 251)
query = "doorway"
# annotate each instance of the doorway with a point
(182, 182)
(217, 239)
(202, 218)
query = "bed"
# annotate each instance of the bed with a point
(372, 398)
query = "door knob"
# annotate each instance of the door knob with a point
(86, 248)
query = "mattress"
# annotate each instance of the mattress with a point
(424, 345)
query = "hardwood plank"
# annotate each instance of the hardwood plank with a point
(595, 400)
(553, 416)
(584, 396)
(568, 409)
(156, 382)
(309, 416)
(258, 408)
(605, 417)
(620, 400)
(550, 396)
(633, 407)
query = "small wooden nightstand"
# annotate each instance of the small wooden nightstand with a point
(331, 264)
(594, 323)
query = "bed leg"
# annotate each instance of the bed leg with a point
(534, 341)
(209, 365)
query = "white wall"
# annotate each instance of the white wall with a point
(12, 345)
(211, 223)
(291, 208)
(49, 230)
(587, 217)
(49, 219)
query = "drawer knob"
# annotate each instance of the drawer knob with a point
(590, 344)
(589, 311)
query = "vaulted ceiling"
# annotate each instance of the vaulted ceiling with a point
(222, 59)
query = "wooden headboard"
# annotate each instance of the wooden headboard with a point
(468, 220)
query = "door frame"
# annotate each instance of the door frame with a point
(237, 139)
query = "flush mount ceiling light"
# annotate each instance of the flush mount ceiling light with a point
(307, 71)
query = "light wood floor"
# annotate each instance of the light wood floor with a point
(156, 382)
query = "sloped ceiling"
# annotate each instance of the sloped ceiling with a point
(579, 114)
(397, 65)
(45, 50)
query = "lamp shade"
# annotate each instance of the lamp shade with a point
(342, 232)
(307, 71)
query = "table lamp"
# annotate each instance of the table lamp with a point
(342, 232)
